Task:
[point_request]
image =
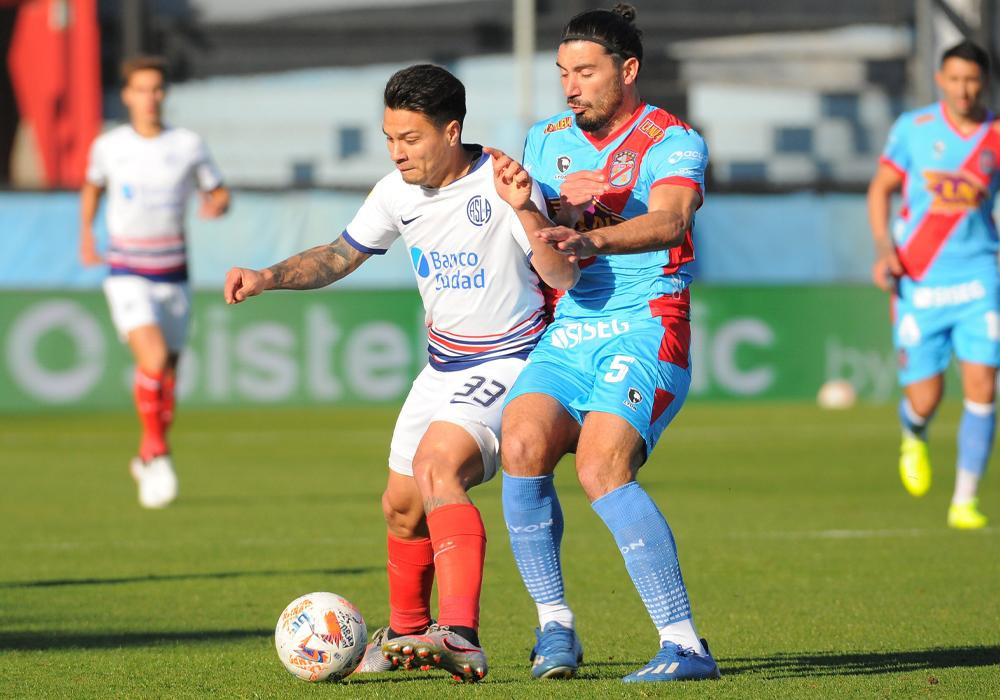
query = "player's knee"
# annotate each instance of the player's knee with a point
(522, 452)
(597, 480)
(438, 475)
(403, 517)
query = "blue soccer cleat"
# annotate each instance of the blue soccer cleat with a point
(557, 652)
(676, 663)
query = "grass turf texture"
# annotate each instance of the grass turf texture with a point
(811, 572)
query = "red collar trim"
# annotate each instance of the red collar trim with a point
(600, 144)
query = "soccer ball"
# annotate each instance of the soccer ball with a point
(836, 394)
(320, 637)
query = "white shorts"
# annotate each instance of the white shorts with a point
(471, 398)
(136, 301)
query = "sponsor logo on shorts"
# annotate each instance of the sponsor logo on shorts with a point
(908, 331)
(633, 399)
(572, 334)
(936, 297)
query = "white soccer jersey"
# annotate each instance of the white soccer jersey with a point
(148, 183)
(472, 261)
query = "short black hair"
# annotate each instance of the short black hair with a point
(429, 90)
(134, 64)
(969, 51)
(613, 29)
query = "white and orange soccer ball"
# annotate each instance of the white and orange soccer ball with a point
(320, 637)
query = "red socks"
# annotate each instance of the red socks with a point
(167, 399)
(149, 404)
(411, 575)
(459, 540)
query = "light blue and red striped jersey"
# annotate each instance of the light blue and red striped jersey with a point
(653, 149)
(945, 228)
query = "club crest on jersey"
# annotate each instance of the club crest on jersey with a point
(622, 168)
(650, 129)
(953, 190)
(563, 163)
(479, 210)
(987, 161)
(564, 123)
(938, 149)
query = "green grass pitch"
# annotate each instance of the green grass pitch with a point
(810, 571)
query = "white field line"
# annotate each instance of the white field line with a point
(363, 544)
(853, 534)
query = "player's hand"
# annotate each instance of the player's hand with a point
(213, 204)
(886, 271)
(579, 192)
(512, 181)
(575, 245)
(242, 283)
(88, 251)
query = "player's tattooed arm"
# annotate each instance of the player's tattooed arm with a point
(310, 269)
(316, 267)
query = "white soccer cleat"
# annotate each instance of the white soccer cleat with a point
(156, 480)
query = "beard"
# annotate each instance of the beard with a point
(601, 111)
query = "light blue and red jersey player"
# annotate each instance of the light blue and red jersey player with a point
(623, 179)
(940, 262)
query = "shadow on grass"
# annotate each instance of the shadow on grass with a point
(47, 641)
(156, 578)
(800, 665)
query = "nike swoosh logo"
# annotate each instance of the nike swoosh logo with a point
(452, 647)
(406, 222)
(443, 550)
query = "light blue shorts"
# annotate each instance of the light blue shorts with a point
(930, 321)
(638, 370)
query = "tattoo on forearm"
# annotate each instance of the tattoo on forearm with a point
(317, 267)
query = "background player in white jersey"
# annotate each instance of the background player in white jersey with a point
(149, 171)
(473, 263)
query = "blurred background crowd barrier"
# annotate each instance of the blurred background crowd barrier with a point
(794, 97)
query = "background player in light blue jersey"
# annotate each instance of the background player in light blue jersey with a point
(624, 180)
(940, 263)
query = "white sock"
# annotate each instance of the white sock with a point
(966, 483)
(555, 612)
(684, 634)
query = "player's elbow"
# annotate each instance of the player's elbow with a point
(673, 230)
(563, 276)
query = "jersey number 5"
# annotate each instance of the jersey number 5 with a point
(619, 368)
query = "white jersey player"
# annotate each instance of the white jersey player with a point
(476, 271)
(149, 172)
